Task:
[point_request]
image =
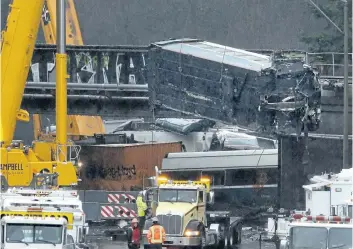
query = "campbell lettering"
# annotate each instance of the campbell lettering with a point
(11, 166)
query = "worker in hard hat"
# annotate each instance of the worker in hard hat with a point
(133, 235)
(141, 209)
(156, 235)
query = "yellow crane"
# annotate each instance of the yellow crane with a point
(78, 126)
(18, 163)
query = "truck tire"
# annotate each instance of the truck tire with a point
(278, 244)
(221, 238)
(203, 240)
(230, 239)
(233, 237)
(221, 245)
(238, 235)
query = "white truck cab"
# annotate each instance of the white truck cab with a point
(31, 232)
(326, 195)
(57, 204)
(319, 232)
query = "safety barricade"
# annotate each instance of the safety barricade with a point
(102, 196)
(105, 205)
(121, 197)
(122, 211)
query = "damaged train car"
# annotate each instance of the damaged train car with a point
(258, 91)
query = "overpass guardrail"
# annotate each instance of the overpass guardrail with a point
(329, 64)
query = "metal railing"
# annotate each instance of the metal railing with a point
(88, 86)
(329, 64)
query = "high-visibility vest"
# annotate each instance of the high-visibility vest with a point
(141, 206)
(156, 234)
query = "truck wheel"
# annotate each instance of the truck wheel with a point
(238, 235)
(233, 238)
(230, 239)
(203, 240)
(221, 244)
(277, 244)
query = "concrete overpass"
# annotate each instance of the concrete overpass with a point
(103, 80)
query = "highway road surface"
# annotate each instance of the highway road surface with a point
(249, 241)
(121, 245)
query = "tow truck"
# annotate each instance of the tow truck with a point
(319, 231)
(182, 209)
(28, 213)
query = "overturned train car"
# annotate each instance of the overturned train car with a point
(266, 93)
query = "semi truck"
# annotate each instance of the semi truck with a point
(182, 208)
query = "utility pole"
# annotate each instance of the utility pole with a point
(345, 100)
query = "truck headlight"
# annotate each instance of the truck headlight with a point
(189, 233)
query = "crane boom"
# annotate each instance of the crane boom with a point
(18, 43)
(73, 35)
